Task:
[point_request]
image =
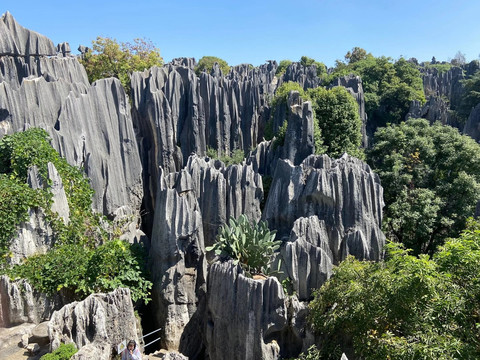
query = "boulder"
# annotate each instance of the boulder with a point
(101, 321)
(21, 304)
(40, 334)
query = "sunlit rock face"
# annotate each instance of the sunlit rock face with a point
(90, 125)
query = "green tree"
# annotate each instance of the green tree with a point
(355, 55)
(108, 58)
(206, 64)
(404, 308)
(431, 180)
(336, 113)
(321, 68)
(282, 67)
(389, 86)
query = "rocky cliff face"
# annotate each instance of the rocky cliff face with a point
(344, 193)
(19, 303)
(95, 325)
(248, 315)
(177, 113)
(90, 125)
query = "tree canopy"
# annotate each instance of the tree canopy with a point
(206, 64)
(407, 307)
(431, 180)
(389, 86)
(336, 113)
(108, 58)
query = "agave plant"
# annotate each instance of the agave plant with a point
(251, 246)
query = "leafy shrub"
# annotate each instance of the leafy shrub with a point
(282, 67)
(336, 113)
(17, 198)
(236, 157)
(19, 152)
(78, 271)
(63, 352)
(206, 64)
(251, 246)
(404, 308)
(108, 58)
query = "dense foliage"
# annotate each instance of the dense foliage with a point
(471, 98)
(108, 58)
(336, 113)
(75, 266)
(407, 307)
(206, 64)
(63, 352)
(389, 86)
(250, 245)
(431, 180)
(282, 67)
(19, 152)
(77, 271)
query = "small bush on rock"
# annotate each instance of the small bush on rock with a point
(251, 246)
(63, 352)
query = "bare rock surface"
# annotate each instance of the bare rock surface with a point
(177, 256)
(344, 193)
(90, 125)
(246, 317)
(17, 40)
(21, 304)
(100, 322)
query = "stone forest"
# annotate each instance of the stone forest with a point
(285, 211)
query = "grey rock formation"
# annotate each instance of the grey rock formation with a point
(21, 304)
(101, 321)
(178, 113)
(222, 192)
(344, 193)
(307, 256)
(186, 62)
(64, 49)
(435, 109)
(306, 76)
(16, 40)
(299, 142)
(177, 256)
(96, 350)
(246, 317)
(90, 125)
(472, 126)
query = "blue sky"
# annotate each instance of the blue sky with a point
(254, 31)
